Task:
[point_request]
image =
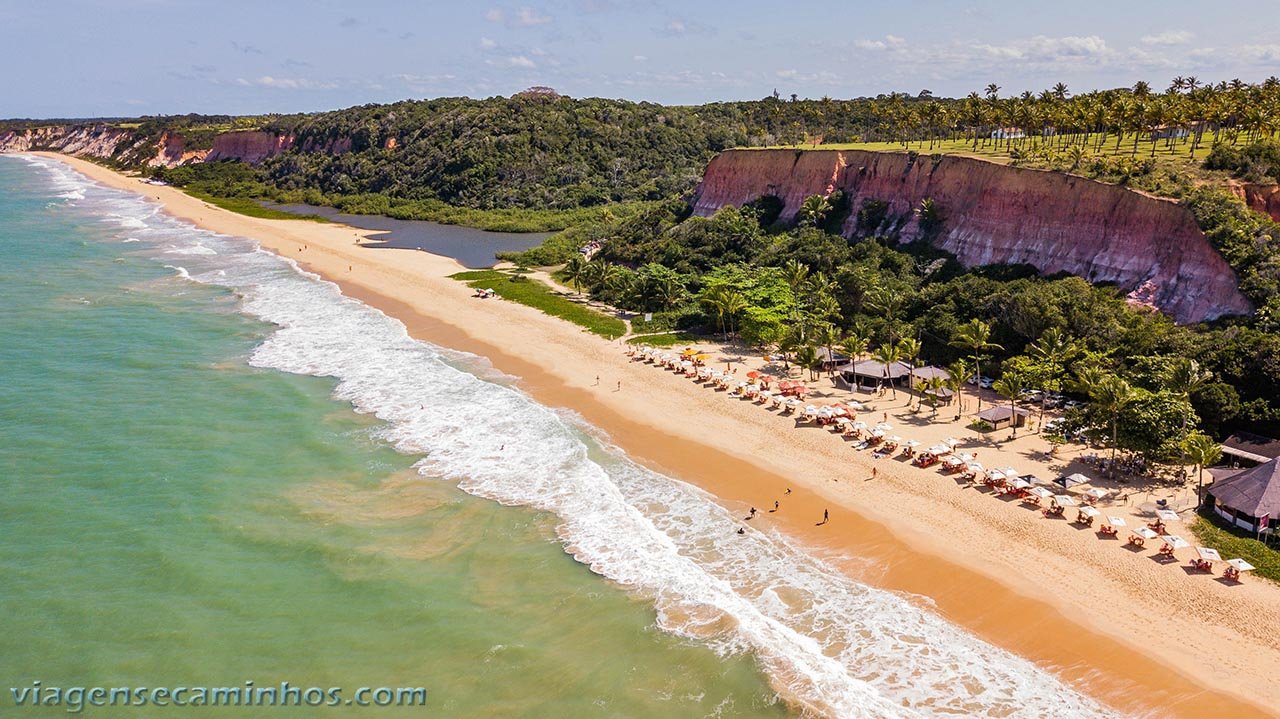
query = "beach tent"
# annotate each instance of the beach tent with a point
(1071, 480)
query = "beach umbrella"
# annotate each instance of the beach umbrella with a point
(1017, 483)
(1209, 554)
(857, 406)
(1146, 533)
(895, 439)
(974, 467)
(859, 425)
(1064, 501)
(884, 426)
(753, 374)
(952, 441)
(940, 449)
(1241, 565)
(1071, 480)
(1097, 493)
(1010, 472)
(1089, 512)
(996, 475)
(1167, 515)
(1116, 521)
(913, 443)
(1041, 492)
(1175, 541)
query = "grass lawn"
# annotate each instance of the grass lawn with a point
(666, 339)
(539, 296)
(1231, 544)
(1176, 157)
(250, 207)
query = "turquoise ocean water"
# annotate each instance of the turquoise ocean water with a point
(216, 469)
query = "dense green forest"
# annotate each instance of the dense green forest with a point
(797, 289)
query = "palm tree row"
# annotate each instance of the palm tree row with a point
(1229, 111)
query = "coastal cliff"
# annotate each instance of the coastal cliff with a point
(1151, 248)
(103, 142)
(1264, 199)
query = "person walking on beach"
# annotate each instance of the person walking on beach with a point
(775, 506)
(788, 491)
(874, 471)
(597, 379)
(825, 518)
(619, 389)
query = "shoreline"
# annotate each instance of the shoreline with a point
(1128, 646)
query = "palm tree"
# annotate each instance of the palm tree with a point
(827, 335)
(1202, 451)
(887, 355)
(1010, 386)
(796, 273)
(1053, 348)
(1112, 395)
(1184, 379)
(932, 387)
(574, 270)
(975, 337)
(732, 304)
(855, 344)
(807, 357)
(956, 372)
(909, 349)
(887, 302)
(813, 210)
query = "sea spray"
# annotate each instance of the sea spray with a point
(830, 645)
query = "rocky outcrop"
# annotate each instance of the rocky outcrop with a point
(1264, 199)
(172, 151)
(993, 214)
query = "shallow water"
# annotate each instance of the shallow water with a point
(469, 246)
(201, 504)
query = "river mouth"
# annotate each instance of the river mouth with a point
(472, 248)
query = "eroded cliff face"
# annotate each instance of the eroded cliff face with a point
(1152, 248)
(251, 146)
(1264, 199)
(103, 142)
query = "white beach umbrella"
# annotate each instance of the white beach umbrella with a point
(1241, 565)
(895, 439)
(913, 443)
(1010, 472)
(1209, 554)
(1146, 533)
(1116, 521)
(952, 441)
(1097, 493)
(884, 426)
(859, 425)
(1041, 492)
(1064, 501)
(1089, 512)
(1167, 515)
(1175, 541)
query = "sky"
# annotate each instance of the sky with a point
(100, 58)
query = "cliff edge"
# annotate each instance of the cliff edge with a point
(993, 214)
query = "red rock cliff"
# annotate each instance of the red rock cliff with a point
(249, 146)
(1264, 199)
(1151, 248)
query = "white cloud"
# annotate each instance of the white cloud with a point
(1168, 37)
(526, 17)
(639, 58)
(889, 42)
(1049, 49)
(487, 44)
(676, 27)
(520, 61)
(1259, 53)
(494, 15)
(287, 83)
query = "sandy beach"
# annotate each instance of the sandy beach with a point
(1142, 635)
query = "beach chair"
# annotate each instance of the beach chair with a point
(1055, 510)
(1137, 541)
(1231, 574)
(1082, 518)
(1202, 565)
(1166, 550)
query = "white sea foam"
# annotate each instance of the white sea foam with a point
(834, 646)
